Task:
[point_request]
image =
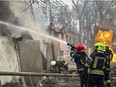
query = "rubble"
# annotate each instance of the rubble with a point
(61, 82)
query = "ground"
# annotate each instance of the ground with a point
(61, 82)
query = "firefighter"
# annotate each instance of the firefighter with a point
(64, 64)
(97, 65)
(59, 66)
(56, 67)
(80, 57)
(109, 55)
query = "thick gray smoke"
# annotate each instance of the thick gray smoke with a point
(5, 12)
(6, 15)
(26, 18)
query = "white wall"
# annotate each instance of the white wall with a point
(8, 58)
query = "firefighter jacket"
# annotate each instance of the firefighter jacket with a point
(79, 58)
(97, 63)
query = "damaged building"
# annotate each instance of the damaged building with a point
(25, 45)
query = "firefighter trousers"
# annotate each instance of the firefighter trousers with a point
(96, 80)
(107, 80)
(83, 78)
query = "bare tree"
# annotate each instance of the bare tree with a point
(92, 12)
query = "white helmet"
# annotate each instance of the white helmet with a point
(53, 63)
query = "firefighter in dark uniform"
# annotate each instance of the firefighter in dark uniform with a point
(80, 58)
(97, 65)
(59, 66)
(56, 67)
(64, 64)
(109, 55)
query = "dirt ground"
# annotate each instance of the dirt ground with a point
(61, 82)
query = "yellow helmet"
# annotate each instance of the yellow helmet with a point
(100, 46)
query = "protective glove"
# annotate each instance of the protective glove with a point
(72, 48)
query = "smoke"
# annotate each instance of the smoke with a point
(14, 12)
(32, 19)
(18, 13)
(5, 15)
(5, 12)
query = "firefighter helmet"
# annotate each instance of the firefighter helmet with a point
(80, 47)
(53, 63)
(100, 46)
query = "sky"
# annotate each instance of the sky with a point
(68, 2)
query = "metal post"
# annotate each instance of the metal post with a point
(2, 73)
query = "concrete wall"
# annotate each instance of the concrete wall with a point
(30, 59)
(56, 49)
(26, 58)
(30, 56)
(8, 59)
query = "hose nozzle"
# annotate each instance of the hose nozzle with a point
(71, 45)
(68, 44)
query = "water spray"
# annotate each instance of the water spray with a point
(23, 28)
